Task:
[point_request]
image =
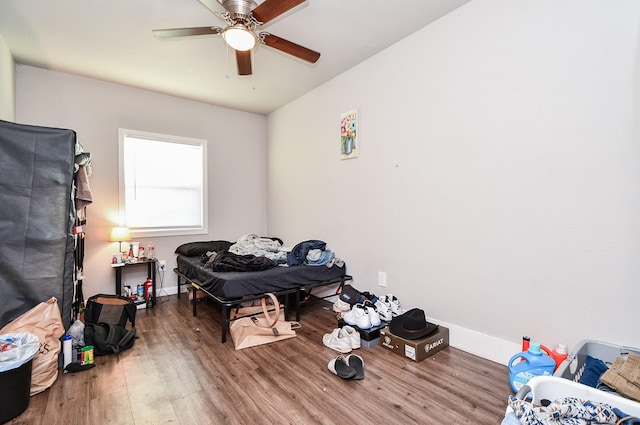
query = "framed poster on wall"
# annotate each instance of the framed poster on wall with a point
(349, 134)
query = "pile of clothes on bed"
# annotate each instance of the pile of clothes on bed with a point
(254, 253)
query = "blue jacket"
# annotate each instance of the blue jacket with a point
(298, 254)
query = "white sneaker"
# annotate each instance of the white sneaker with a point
(394, 305)
(337, 340)
(354, 336)
(358, 316)
(374, 317)
(384, 310)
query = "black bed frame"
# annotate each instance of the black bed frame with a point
(302, 295)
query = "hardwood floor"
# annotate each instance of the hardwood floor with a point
(178, 372)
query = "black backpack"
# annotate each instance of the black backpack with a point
(114, 309)
(107, 338)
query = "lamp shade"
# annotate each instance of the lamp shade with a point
(239, 37)
(119, 234)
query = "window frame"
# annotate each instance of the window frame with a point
(163, 138)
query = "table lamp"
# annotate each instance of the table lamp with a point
(120, 234)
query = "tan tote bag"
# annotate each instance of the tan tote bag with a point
(45, 322)
(252, 331)
(255, 310)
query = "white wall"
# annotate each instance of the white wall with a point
(95, 110)
(497, 182)
(7, 86)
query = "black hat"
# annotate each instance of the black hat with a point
(412, 325)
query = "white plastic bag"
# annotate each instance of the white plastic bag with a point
(76, 331)
(27, 346)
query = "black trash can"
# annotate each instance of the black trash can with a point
(15, 389)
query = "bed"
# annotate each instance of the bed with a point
(229, 289)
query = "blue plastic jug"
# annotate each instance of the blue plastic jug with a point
(524, 366)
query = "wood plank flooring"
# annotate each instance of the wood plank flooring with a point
(178, 372)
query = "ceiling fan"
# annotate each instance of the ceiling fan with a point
(242, 18)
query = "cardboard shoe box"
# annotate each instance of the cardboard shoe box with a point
(418, 349)
(368, 344)
(370, 334)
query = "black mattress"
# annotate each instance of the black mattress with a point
(231, 285)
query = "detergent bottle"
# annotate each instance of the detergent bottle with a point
(527, 364)
(559, 355)
(148, 292)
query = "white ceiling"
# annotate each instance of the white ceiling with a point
(112, 41)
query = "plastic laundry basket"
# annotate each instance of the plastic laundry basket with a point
(573, 367)
(553, 388)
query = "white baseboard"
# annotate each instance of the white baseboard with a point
(476, 343)
(482, 345)
(168, 290)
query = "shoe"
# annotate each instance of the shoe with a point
(368, 296)
(77, 367)
(340, 367)
(384, 310)
(337, 340)
(394, 304)
(341, 307)
(357, 363)
(357, 316)
(374, 317)
(354, 336)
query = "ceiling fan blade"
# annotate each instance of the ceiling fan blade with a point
(213, 5)
(271, 9)
(185, 32)
(289, 47)
(243, 58)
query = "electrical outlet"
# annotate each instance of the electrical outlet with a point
(163, 265)
(382, 279)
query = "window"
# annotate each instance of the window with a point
(162, 184)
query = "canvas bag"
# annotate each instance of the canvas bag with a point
(254, 310)
(252, 331)
(45, 322)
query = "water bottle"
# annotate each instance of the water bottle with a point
(527, 364)
(151, 251)
(66, 350)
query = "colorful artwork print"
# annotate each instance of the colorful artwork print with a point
(348, 134)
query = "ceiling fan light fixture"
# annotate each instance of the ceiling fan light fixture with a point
(239, 37)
